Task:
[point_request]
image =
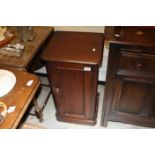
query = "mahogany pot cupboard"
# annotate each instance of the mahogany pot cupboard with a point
(72, 61)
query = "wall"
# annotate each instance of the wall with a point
(80, 28)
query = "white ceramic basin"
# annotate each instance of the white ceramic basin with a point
(7, 81)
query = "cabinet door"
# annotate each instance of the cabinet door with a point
(74, 88)
(132, 100)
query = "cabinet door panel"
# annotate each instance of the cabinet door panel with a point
(72, 82)
(74, 91)
(132, 97)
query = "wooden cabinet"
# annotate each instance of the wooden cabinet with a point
(130, 88)
(72, 60)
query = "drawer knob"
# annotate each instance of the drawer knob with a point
(139, 65)
(94, 49)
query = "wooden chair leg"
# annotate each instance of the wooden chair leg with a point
(38, 110)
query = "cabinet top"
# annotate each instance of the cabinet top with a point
(135, 35)
(75, 47)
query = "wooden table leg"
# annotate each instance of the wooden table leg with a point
(38, 110)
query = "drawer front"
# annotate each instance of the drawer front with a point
(136, 63)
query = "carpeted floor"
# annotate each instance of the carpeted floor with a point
(50, 121)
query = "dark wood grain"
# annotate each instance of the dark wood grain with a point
(75, 47)
(130, 87)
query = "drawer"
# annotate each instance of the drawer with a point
(136, 63)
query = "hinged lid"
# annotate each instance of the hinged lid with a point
(75, 47)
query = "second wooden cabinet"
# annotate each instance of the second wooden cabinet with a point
(72, 61)
(130, 88)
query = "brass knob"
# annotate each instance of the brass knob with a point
(139, 32)
(94, 49)
(139, 65)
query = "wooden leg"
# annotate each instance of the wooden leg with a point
(38, 110)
